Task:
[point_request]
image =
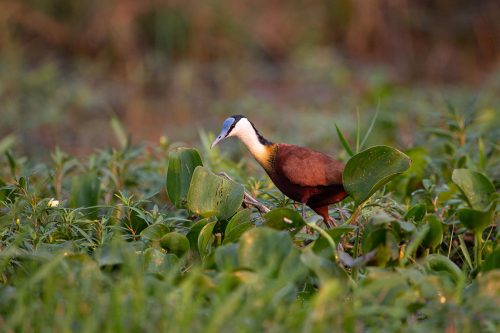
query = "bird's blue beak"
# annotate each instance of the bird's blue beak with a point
(226, 128)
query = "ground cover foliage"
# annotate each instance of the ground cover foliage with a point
(154, 238)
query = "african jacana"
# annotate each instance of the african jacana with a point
(302, 174)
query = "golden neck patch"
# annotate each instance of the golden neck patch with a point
(265, 156)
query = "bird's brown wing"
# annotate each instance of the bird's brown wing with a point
(307, 167)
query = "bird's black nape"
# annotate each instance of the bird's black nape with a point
(237, 117)
(262, 139)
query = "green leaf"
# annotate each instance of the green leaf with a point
(358, 130)
(435, 235)
(344, 142)
(324, 268)
(154, 232)
(6, 143)
(284, 219)
(133, 220)
(441, 264)
(292, 268)
(119, 131)
(475, 220)
(416, 212)
(370, 128)
(153, 260)
(194, 233)
(181, 165)
(12, 162)
(226, 257)
(205, 239)
(417, 239)
(321, 245)
(264, 249)
(175, 243)
(157, 262)
(110, 255)
(238, 224)
(475, 186)
(492, 261)
(371, 169)
(85, 193)
(211, 195)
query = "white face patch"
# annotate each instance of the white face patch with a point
(242, 128)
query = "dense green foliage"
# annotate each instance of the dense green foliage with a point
(98, 245)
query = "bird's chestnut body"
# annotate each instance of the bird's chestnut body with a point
(302, 174)
(307, 176)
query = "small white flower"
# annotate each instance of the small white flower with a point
(53, 203)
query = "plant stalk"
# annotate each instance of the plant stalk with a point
(478, 245)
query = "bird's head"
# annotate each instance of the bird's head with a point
(233, 126)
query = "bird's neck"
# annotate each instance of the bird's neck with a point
(259, 147)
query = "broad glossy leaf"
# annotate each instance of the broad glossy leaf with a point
(154, 232)
(475, 220)
(181, 165)
(475, 186)
(434, 236)
(194, 232)
(153, 260)
(175, 243)
(205, 239)
(159, 263)
(369, 170)
(263, 250)
(211, 195)
(284, 219)
(441, 264)
(238, 224)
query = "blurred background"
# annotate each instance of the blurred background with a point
(175, 68)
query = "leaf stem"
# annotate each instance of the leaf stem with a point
(354, 215)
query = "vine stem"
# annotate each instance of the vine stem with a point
(352, 219)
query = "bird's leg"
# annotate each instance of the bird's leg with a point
(309, 230)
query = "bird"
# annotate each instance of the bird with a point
(304, 175)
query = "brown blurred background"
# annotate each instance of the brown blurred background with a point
(175, 67)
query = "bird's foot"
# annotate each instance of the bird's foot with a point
(331, 223)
